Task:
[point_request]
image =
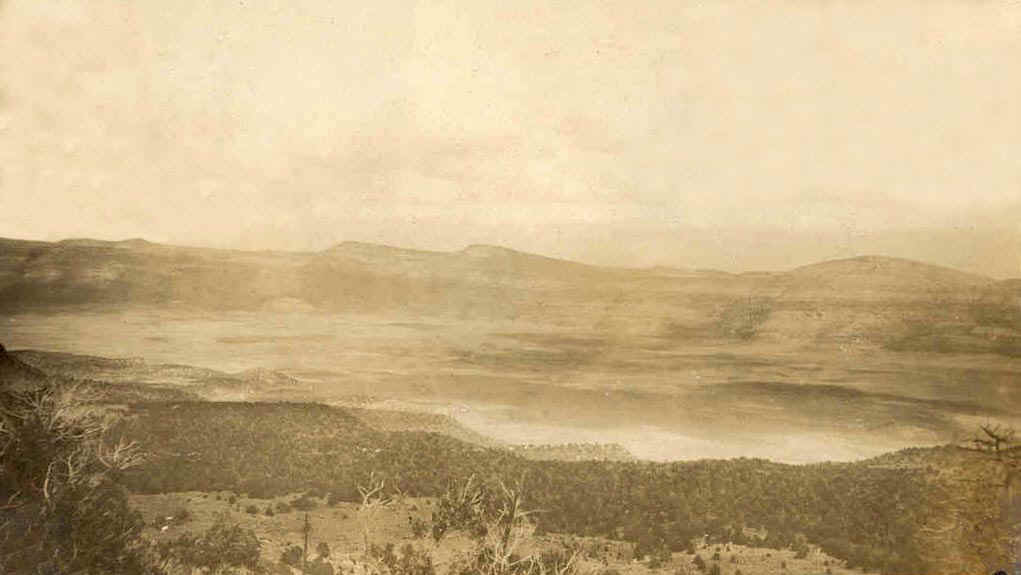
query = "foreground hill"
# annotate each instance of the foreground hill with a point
(914, 511)
(874, 514)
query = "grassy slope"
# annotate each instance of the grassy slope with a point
(345, 528)
(873, 512)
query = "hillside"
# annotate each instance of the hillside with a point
(873, 514)
(878, 277)
(383, 419)
(574, 452)
(901, 513)
(17, 374)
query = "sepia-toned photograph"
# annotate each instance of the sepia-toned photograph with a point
(543, 287)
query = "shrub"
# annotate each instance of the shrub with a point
(318, 567)
(221, 547)
(419, 527)
(659, 557)
(303, 503)
(466, 506)
(291, 556)
(251, 509)
(410, 561)
(699, 562)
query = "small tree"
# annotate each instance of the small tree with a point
(62, 509)
(373, 500)
(975, 506)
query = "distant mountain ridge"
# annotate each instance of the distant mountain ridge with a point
(873, 300)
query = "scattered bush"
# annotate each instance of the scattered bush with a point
(222, 546)
(659, 557)
(410, 561)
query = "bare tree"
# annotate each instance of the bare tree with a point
(979, 509)
(373, 500)
(61, 507)
(1000, 444)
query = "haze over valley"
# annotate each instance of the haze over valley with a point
(839, 360)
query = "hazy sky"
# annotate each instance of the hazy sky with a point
(712, 134)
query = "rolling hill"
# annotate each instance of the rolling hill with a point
(872, 300)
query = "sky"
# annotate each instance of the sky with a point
(730, 135)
